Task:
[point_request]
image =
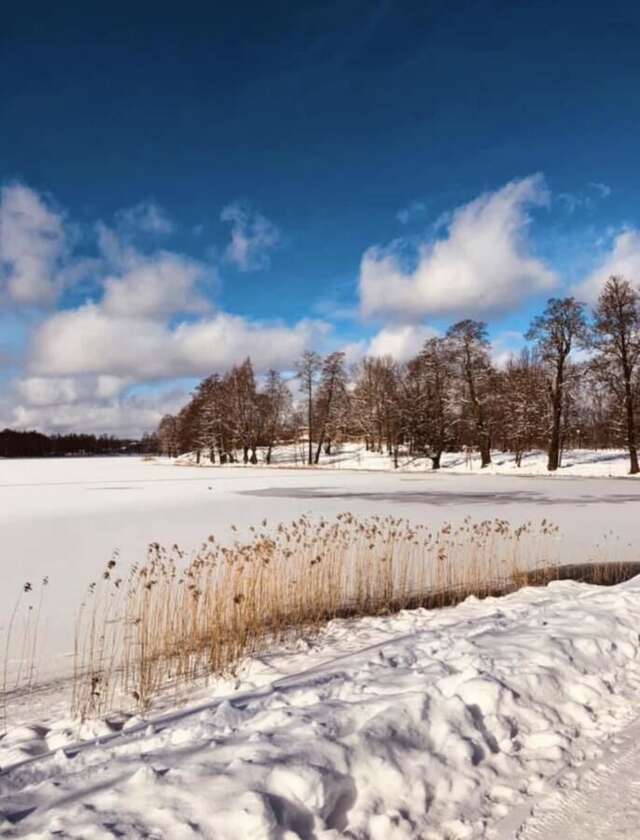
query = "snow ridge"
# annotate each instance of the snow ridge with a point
(425, 724)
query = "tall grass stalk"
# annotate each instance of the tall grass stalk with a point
(174, 620)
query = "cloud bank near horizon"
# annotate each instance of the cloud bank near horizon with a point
(128, 312)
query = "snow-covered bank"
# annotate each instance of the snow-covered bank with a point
(354, 456)
(63, 518)
(426, 724)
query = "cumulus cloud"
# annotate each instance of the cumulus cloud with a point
(623, 257)
(38, 391)
(33, 246)
(150, 320)
(482, 264)
(253, 237)
(155, 287)
(401, 342)
(92, 340)
(126, 415)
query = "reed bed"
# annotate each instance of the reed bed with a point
(174, 620)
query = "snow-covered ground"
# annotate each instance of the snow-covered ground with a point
(504, 718)
(63, 518)
(494, 719)
(354, 456)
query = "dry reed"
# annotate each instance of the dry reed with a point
(22, 636)
(174, 620)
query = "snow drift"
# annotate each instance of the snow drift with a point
(430, 724)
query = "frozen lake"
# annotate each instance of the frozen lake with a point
(64, 518)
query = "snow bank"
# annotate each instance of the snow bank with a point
(430, 724)
(354, 456)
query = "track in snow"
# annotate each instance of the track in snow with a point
(601, 802)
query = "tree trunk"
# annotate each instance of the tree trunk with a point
(435, 460)
(485, 450)
(245, 454)
(310, 448)
(269, 454)
(634, 467)
(554, 444)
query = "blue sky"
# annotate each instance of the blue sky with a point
(184, 186)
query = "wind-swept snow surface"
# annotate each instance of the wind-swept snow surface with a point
(447, 724)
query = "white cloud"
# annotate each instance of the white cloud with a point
(92, 340)
(401, 342)
(253, 237)
(33, 245)
(623, 257)
(124, 415)
(147, 216)
(40, 391)
(604, 190)
(483, 264)
(155, 287)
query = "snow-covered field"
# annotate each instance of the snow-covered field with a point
(63, 518)
(436, 725)
(354, 456)
(496, 719)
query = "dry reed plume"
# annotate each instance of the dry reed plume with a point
(174, 620)
(21, 645)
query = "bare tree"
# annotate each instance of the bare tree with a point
(561, 326)
(275, 400)
(331, 401)
(428, 400)
(523, 407)
(307, 370)
(616, 338)
(169, 435)
(240, 386)
(470, 346)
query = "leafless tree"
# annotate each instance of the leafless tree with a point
(429, 400)
(522, 404)
(307, 370)
(332, 401)
(616, 338)
(555, 333)
(275, 402)
(169, 435)
(469, 344)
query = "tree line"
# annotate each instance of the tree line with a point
(449, 396)
(32, 444)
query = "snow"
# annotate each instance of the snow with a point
(505, 718)
(355, 456)
(63, 518)
(491, 719)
